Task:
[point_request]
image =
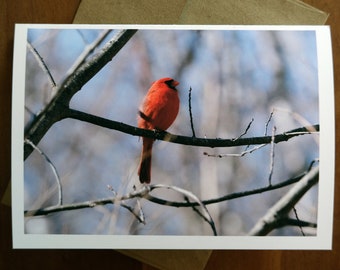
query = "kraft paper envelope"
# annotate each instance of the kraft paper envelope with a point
(199, 12)
(192, 12)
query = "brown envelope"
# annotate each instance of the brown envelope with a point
(199, 12)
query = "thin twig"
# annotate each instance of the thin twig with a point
(87, 51)
(196, 210)
(272, 154)
(42, 64)
(82, 36)
(190, 113)
(312, 164)
(297, 117)
(139, 215)
(54, 170)
(297, 218)
(30, 111)
(267, 123)
(187, 194)
(243, 153)
(294, 222)
(245, 132)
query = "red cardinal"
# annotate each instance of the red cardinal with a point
(159, 110)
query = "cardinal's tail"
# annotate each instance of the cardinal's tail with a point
(144, 171)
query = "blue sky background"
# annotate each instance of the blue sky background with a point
(234, 75)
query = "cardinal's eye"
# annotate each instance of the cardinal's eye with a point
(170, 84)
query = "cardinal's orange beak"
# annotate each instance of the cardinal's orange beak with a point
(175, 83)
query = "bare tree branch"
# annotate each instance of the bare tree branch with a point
(295, 222)
(187, 194)
(298, 219)
(139, 214)
(185, 140)
(87, 204)
(281, 209)
(272, 154)
(268, 121)
(243, 153)
(228, 197)
(54, 111)
(245, 132)
(144, 192)
(190, 114)
(42, 64)
(87, 51)
(135, 194)
(54, 170)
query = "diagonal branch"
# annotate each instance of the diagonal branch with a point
(87, 51)
(42, 64)
(227, 197)
(281, 209)
(54, 171)
(54, 111)
(87, 204)
(187, 194)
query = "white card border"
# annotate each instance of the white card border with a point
(323, 240)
